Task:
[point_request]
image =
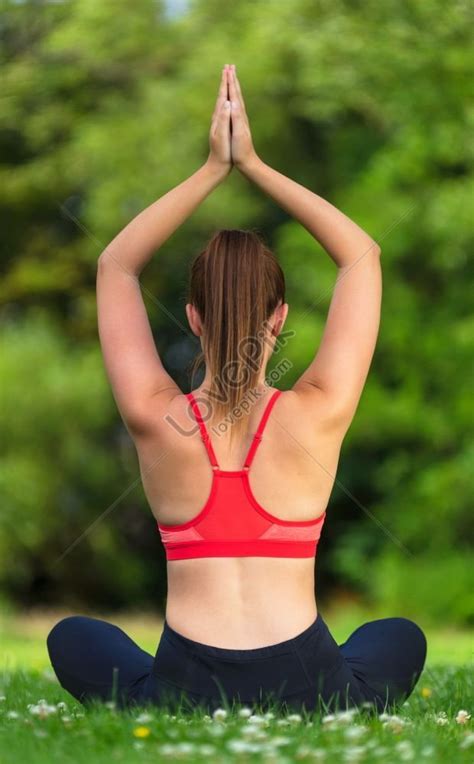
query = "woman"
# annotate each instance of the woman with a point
(241, 622)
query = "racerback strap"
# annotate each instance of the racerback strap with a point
(256, 438)
(258, 435)
(203, 431)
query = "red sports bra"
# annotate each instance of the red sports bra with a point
(232, 523)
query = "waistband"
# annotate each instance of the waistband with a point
(289, 645)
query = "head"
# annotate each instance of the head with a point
(236, 306)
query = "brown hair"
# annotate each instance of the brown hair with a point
(235, 284)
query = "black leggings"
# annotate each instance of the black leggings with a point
(378, 666)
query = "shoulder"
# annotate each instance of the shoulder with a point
(312, 405)
(302, 421)
(169, 413)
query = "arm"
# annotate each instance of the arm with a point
(132, 363)
(339, 370)
(343, 239)
(340, 367)
(343, 359)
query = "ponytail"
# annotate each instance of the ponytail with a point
(235, 284)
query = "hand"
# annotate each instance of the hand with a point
(219, 135)
(242, 149)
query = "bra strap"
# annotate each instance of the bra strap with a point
(204, 433)
(258, 435)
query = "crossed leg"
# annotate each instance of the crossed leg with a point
(386, 656)
(94, 659)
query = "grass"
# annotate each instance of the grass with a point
(428, 727)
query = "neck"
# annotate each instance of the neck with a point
(208, 377)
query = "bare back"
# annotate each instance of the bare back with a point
(242, 602)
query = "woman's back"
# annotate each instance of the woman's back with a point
(239, 600)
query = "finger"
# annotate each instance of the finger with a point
(224, 113)
(223, 121)
(223, 84)
(237, 90)
(237, 85)
(233, 94)
(222, 95)
(221, 124)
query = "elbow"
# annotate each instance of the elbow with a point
(106, 257)
(108, 263)
(107, 271)
(376, 249)
(101, 262)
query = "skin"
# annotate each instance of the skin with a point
(242, 602)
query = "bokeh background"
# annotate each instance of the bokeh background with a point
(104, 107)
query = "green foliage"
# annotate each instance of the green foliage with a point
(106, 107)
(58, 473)
(430, 584)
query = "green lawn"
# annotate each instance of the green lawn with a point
(428, 727)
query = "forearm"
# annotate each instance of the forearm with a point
(343, 239)
(134, 246)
